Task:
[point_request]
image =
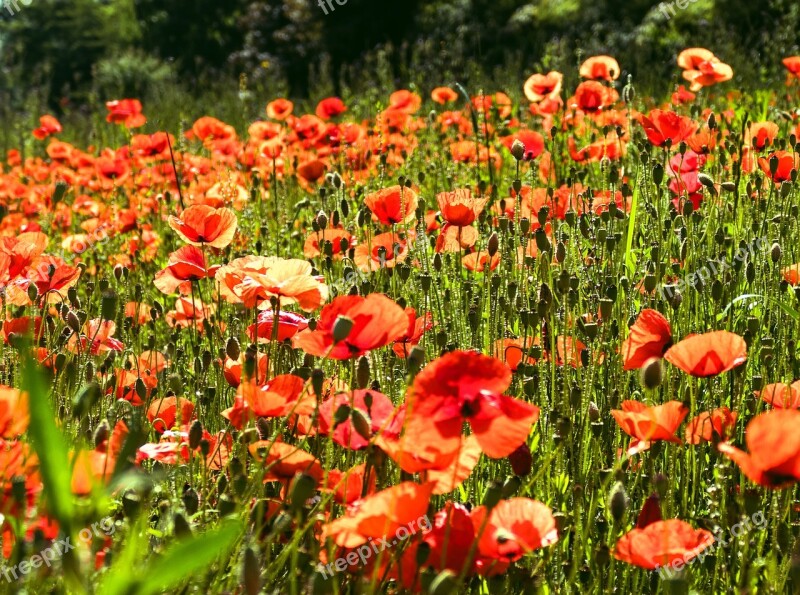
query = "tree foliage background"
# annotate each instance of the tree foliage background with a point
(68, 53)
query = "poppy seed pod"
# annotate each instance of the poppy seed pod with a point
(342, 327)
(361, 423)
(251, 572)
(775, 252)
(493, 244)
(618, 502)
(652, 373)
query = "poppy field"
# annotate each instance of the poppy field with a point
(539, 339)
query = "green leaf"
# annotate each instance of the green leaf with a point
(49, 444)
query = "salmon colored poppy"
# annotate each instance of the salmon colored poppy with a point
(14, 415)
(515, 527)
(185, 265)
(376, 322)
(708, 354)
(443, 95)
(662, 543)
(542, 86)
(199, 225)
(283, 461)
(254, 280)
(450, 538)
(52, 278)
(280, 396)
(280, 109)
(707, 73)
(330, 108)
(385, 250)
(761, 134)
(785, 164)
(714, 426)
(165, 413)
(347, 486)
(781, 395)
(289, 324)
(380, 515)
(127, 112)
(374, 408)
(691, 58)
(97, 338)
(190, 313)
(663, 126)
(480, 262)
(396, 204)
(330, 242)
(647, 424)
(48, 125)
(405, 101)
(448, 478)
(773, 443)
(234, 371)
(467, 386)
(602, 68)
(514, 351)
(649, 337)
(459, 207)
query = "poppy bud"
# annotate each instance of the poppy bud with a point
(73, 322)
(493, 245)
(775, 252)
(101, 433)
(195, 434)
(423, 551)
(190, 499)
(521, 460)
(594, 412)
(437, 262)
(518, 149)
(492, 495)
(652, 373)
(542, 243)
(561, 252)
(658, 174)
(618, 502)
(361, 423)
(322, 220)
(302, 489)
(362, 373)
(341, 415)
(251, 572)
(33, 292)
(342, 327)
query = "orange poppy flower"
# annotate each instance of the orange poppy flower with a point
(278, 397)
(532, 141)
(392, 205)
(47, 125)
(719, 423)
(541, 86)
(691, 58)
(514, 352)
(592, 97)
(50, 287)
(649, 337)
(708, 72)
(443, 95)
(773, 443)
(781, 395)
(189, 313)
(647, 424)
(185, 265)
(514, 528)
(13, 412)
(385, 250)
(376, 321)
(317, 242)
(661, 544)
(761, 134)
(708, 354)
(448, 478)
(479, 262)
(97, 338)
(125, 111)
(165, 413)
(786, 162)
(792, 64)
(380, 515)
(404, 101)
(347, 486)
(283, 461)
(417, 326)
(603, 68)
(467, 386)
(661, 126)
(280, 109)
(450, 538)
(253, 280)
(459, 207)
(330, 108)
(201, 224)
(289, 324)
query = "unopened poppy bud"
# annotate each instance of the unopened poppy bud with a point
(195, 434)
(233, 349)
(712, 121)
(493, 245)
(101, 433)
(251, 572)
(652, 373)
(341, 415)
(119, 271)
(362, 372)
(190, 499)
(342, 327)
(618, 502)
(317, 381)
(108, 306)
(437, 262)
(658, 174)
(182, 528)
(728, 186)
(493, 495)
(521, 460)
(423, 552)
(33, 292)
(561, 252)
(361, 423)
(775, 252)
(322, 220)
(302, 489)
(594, 412)
(705, 180)
(518, 149)
(73, 322)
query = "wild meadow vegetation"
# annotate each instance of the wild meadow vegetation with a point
(540, 338)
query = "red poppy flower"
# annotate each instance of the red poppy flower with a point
(404, 101)
(279, 109)
(604, 68)
(392, 205)
(442, 95)
(448, 478)
(515, 527)
(682, 96)
(479, 262)
(375, 414)
(202, 224)
(459, 207)
(283, 461)
(380, 515)
(661, 126)
(97, 338)
(47, 125)
(792, 64)
(691, 58)
(376, 322)
(417, 326)
(127, 112)
(385, 250)
(541, 86)
(661, 544)
(647, 424)
(592, 97)
(318, 243)
(467, 386)
(13, 412)
(165, 413)
(330, 108)
(289, 324)
(185, 265)
(785, 162)
(773, 442)
(761, 134)
(278, 397)
(450, 538)
(708, 354)
(649, 337)
(781, 395)
(704, 427)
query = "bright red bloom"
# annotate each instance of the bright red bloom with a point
(649, 337)
(330, 108)
(515, 527)
(165, 413)
(661, 544)
(647, 424)
(127, 112)
(708, 354)
(661, 126)
(392, 205)
(781, 395)
(348, 434)
(376, 322)
(774, 444)
(784, 163)
(707, 427)
(47, 125)
(201, 224)
(185, 265)
(417, 326)
(289, 324)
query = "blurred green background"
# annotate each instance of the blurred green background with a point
(184, 58)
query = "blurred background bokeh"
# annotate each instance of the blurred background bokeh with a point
(183, 58)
